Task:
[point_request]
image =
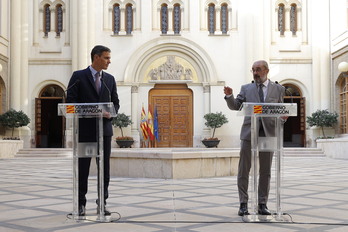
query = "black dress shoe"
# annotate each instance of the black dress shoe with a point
(106, 212)
(243, 209)
(263, 210)
(82, 210)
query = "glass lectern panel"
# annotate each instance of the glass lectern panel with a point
(274, 143)
(74, 112)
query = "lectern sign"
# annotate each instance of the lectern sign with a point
(268, 109)
(258, 109)
(84, 109)
(272, 109)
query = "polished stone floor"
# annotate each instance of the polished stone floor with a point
(36, 195)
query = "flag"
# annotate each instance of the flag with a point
(150, 125)
(155, 124)
(143, 124)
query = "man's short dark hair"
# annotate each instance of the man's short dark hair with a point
(98, 50)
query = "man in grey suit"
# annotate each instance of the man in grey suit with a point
(260, 90)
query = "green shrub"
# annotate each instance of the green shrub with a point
(322, 118)
(14, 119)
(215, 120)
(121, 120)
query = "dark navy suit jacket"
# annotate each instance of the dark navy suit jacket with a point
(81, 89)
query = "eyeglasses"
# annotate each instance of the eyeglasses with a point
(256, 70)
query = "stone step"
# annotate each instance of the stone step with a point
(67, 152)
(303, 152)
(44, 152)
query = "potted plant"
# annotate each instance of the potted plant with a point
(213, 121)
(121, 120)
(14, 119)
(322, 118)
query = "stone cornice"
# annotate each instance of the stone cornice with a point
(291, 61)
(49, 62)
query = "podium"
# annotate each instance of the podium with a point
(76, 111)
(256, 111)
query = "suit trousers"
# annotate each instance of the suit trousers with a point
(265, 163)
(84, 166)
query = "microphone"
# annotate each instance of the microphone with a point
(102, 80)
(291, 98)
(75, 83)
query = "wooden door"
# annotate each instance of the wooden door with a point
(295, 127)
(38, 122)
(174, 108)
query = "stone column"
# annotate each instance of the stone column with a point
(36, 22)
(19, 63)
(134, 115)
(91, 22)
(123, 24)
(218, 20)
(170, 19)
(15, 55)
(80, 32)
(24, 99)
(206, 94)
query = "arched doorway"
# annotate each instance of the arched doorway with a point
(174, 103)
(295, 127)
(48, 125)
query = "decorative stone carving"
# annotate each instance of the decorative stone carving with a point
(170, 70)
(206, 89)
(134, 89)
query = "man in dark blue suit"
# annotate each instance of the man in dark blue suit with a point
(93, 85)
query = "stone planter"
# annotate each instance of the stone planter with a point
(210, 143)
(334, 148)
(9, 148)
(124, 143)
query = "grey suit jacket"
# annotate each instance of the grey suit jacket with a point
(249, 93)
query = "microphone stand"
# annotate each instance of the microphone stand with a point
(102, 80)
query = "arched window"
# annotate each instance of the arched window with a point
(164, 18)
(281, 19)
(177, 18)
(211, 18)
(47, 19)
(116, 19)
(293, 19)
(224, 18)
(292, 91)
(59, 19)
(52, 91)
(343, 105)
(129, 19)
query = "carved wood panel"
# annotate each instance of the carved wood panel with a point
(174, 108)
(38, 122)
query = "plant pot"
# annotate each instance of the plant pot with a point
(125, 143)
(210, 143)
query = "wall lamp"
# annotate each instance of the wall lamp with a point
(343, 67)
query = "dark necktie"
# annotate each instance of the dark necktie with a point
(97, 82)
(261, 93)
